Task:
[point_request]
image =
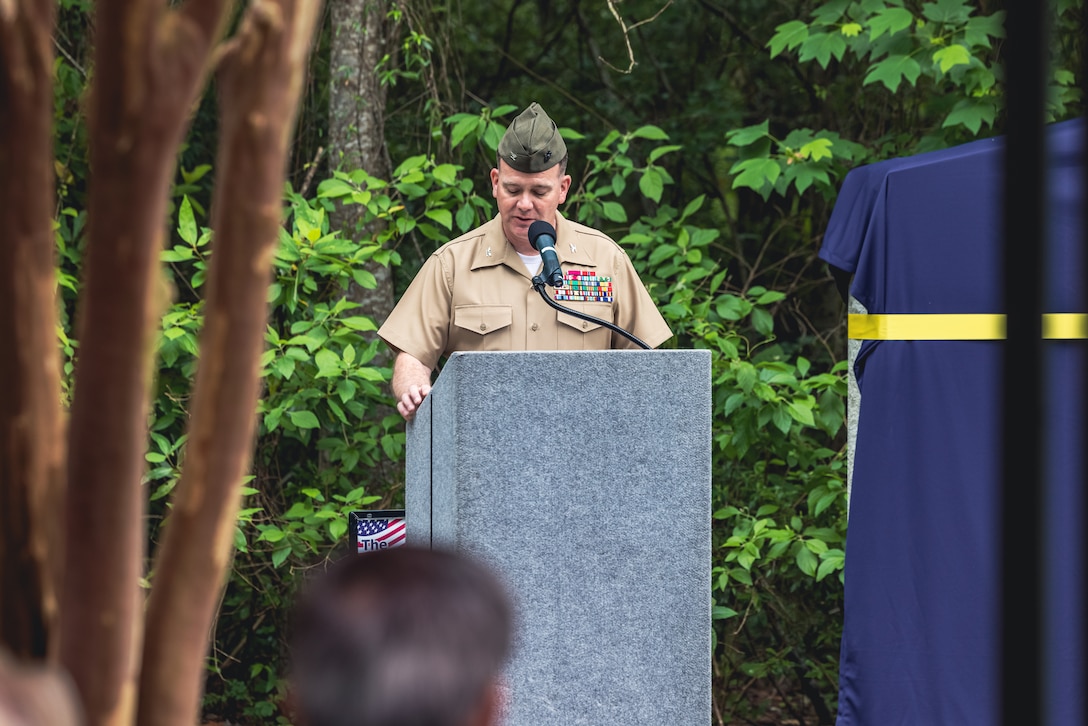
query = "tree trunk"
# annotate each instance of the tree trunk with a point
(149, 68)
(31, 428)
(362, 34)
(260, 82)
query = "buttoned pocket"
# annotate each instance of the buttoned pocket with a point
(482, 319)
(578, 334)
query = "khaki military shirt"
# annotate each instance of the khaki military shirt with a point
(474, 293)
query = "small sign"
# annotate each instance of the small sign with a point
(377, 529)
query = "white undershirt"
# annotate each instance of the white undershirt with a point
(532, 262)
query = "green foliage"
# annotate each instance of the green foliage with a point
(324, 446)
(745, 119)
(943, 50)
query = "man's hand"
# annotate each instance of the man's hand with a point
(411, 384)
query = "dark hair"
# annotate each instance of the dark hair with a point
(399, 637)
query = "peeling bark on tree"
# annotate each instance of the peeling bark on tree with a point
(149, 68)
(31, 428)
(260, 82)
(361, 36)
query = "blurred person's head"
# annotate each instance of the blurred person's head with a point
(400, 637)
(34, 694)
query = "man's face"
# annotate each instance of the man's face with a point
(524, 198)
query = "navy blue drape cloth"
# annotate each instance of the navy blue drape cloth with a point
(921, 631)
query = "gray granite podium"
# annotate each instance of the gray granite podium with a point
(583, 478)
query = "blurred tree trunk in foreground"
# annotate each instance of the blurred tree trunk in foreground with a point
(151, 61)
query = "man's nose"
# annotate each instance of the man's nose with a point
(525, 201)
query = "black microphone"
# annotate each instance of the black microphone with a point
(542, 238)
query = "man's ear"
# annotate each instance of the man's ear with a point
(564, 187)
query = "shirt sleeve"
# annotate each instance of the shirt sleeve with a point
(419, 324)
(635, 310)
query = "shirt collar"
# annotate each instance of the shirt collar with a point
(567, 245)
(493, 249)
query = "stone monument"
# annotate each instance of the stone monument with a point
(583, 478)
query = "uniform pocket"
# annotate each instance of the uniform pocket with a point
(482, 319)
(481, 327)
(578, 334)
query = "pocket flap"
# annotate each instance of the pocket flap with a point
(482, 319)
(597, 310)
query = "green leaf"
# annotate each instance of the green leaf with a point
(442, 216)
(613, 211)
(830, 11)
(661, 151)
(817, 149)
(824, 502)
(240, 543)
(781, 420)
(801, 412)
(284, 367)
(651, 184)
(369, 374)
(662, 253)
(345, 389)
(755, 173)
(822, 47)
(851, 30)
(830, 561)
(787, 36)
(980, 29)
(720, 612)
(889, 20)
(649, 132)
(971, 113)
(304, 419)
(337, 528)
(358, 322)
(280, 555)
(463, 128)
(946, 11)
(186, 222)
(827, 567)
(762, 321)
(328, 363)
(271, 534)
(892, 70)
(446, 173)
(693, 206)
(952, 56)
(805, 175)
(806, 561)
(465, 218)
(180, 253)
(333, 188)
(748, 135)
(364, 278)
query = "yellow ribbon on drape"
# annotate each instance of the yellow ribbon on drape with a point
(967, 326)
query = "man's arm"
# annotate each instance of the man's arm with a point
(411, 383)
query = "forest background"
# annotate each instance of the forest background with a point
(708, 137)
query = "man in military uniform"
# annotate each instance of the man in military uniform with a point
(475, 292)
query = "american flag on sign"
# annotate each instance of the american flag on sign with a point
(379, 534)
